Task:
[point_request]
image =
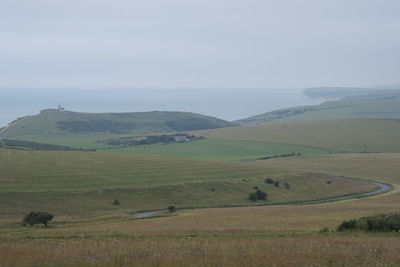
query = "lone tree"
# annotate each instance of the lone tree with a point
(261, 195)
(116, 202)
(268, 180)
(36, 218)
(287, 185)
(276, 183)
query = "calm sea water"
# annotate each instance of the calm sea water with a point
(222, 103)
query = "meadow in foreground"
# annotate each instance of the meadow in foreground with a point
(281, 235)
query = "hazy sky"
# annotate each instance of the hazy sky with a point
(198, 43)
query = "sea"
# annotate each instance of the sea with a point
(227, 104)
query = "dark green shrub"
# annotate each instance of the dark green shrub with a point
(347, 225)
(382, 223)
(379, 223)
(268, 181)
(255, 187)
(171, 208)
(116, 202)
(328, 182)
(36, 218)
(252, 197)
(276, 183)
(287, 185)
(261, 195)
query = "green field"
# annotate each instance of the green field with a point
(86, 183)
(372, 135)
(219, 149)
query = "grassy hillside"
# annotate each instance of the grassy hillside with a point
(66, 122)
(220, 149)
(385, 104)
(373, 135)
(26, 145)
(85, 184)
(382, 166)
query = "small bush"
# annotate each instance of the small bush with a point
(268, 181)
(37, 218)
(255, 187)
(287, 185)
(252, 197)
(213, 189)
(276, 183)
(328, 182)
(171, 208)
(261, 195)
(116, 202)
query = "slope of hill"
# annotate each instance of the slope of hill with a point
(53, 121)
(375, 104)
(371, 135)
(85, 184)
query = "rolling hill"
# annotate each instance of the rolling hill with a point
(52, 121)
(84, 184)
(361, 135)
(370, 104)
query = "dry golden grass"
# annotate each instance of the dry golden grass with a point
(300, 251)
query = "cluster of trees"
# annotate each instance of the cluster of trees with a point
(258, 195)
(151, 140)
(269, 180)
(280, 156)
(379, 223)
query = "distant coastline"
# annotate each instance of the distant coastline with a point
(222, 103)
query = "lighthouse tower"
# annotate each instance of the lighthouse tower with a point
(60, 108)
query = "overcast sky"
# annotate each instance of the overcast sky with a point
(198, 43)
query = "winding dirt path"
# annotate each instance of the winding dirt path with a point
(382, 189)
